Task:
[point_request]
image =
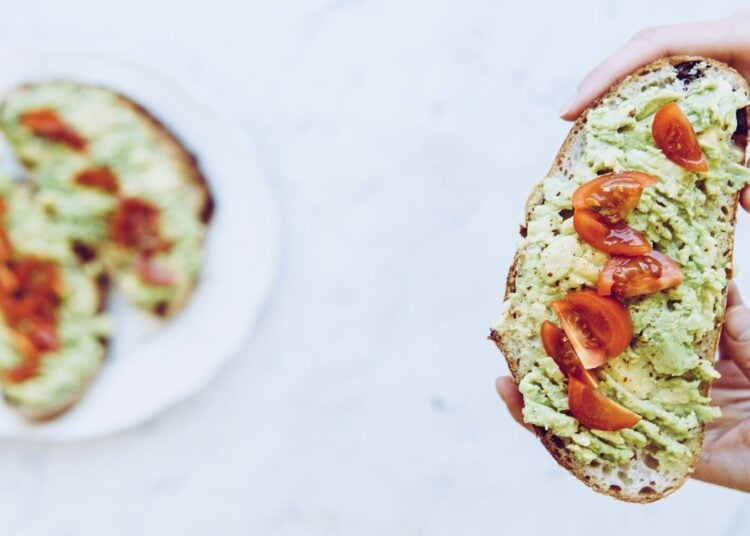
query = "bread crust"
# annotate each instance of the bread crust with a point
(708, 346)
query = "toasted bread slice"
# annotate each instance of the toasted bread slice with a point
(41, 255)
(130, 192)
(665, 374)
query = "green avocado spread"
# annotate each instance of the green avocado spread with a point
(660, 376)
(82, 326)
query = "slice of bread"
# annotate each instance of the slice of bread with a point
(699, 235)
(147, 163)
(82, 326)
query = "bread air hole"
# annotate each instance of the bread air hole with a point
(566, 213)
(739, 136)
(651, 462)
(687, 71)
(84, 252)
(161, 308)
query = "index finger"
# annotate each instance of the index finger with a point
(714, 39)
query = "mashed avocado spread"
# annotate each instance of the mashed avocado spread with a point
(82, 326)
(659, 376)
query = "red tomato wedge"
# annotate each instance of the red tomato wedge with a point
(135, 225)
(153, 273)
(46, 123)
(586, 346)
(99, 178)
(594, 410)
(558, 348)
(30, 366)
(30, 295)
(614, 238)
(598, 327)
(676, 138)
(613, 195)
(607, 317)
(625, 277)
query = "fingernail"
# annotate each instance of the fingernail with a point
(568, 105)
(738, 324)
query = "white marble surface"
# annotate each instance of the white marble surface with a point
(401, 137)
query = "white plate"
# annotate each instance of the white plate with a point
(150, 365)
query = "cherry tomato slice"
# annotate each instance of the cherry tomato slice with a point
(100, 178)
(598, 327)
(625, 277)
(153, 273)
(607, 317)
(594, 410)
(559, 348)
(586, 345)
(615, 238)
(46, 123)
(613, 195)
(676, 138)
(30, 366)
(135, 225)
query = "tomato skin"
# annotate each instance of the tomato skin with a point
(613, 195)
(614, 238)
(586, 345)
(30, 295)
(675, 136)
(560, 349)
(99, 178)
(598, 327)
(607, 317)
(135, 225)
(594, 410)
(46, 123)
(625, 277)
(153, 273)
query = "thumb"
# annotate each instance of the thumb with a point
(736, 337)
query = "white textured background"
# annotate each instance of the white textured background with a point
(401, 138)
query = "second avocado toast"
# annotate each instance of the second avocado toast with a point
(110, 195)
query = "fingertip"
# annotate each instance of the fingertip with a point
(510, 394)
(571, 109)
(745, 198)
(504, 386)
(737, 323)
(734, 297)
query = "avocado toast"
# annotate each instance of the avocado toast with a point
(131, 195)
(658, 380)
(53, 329)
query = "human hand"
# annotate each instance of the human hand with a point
(725, 40)
(726, 449)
